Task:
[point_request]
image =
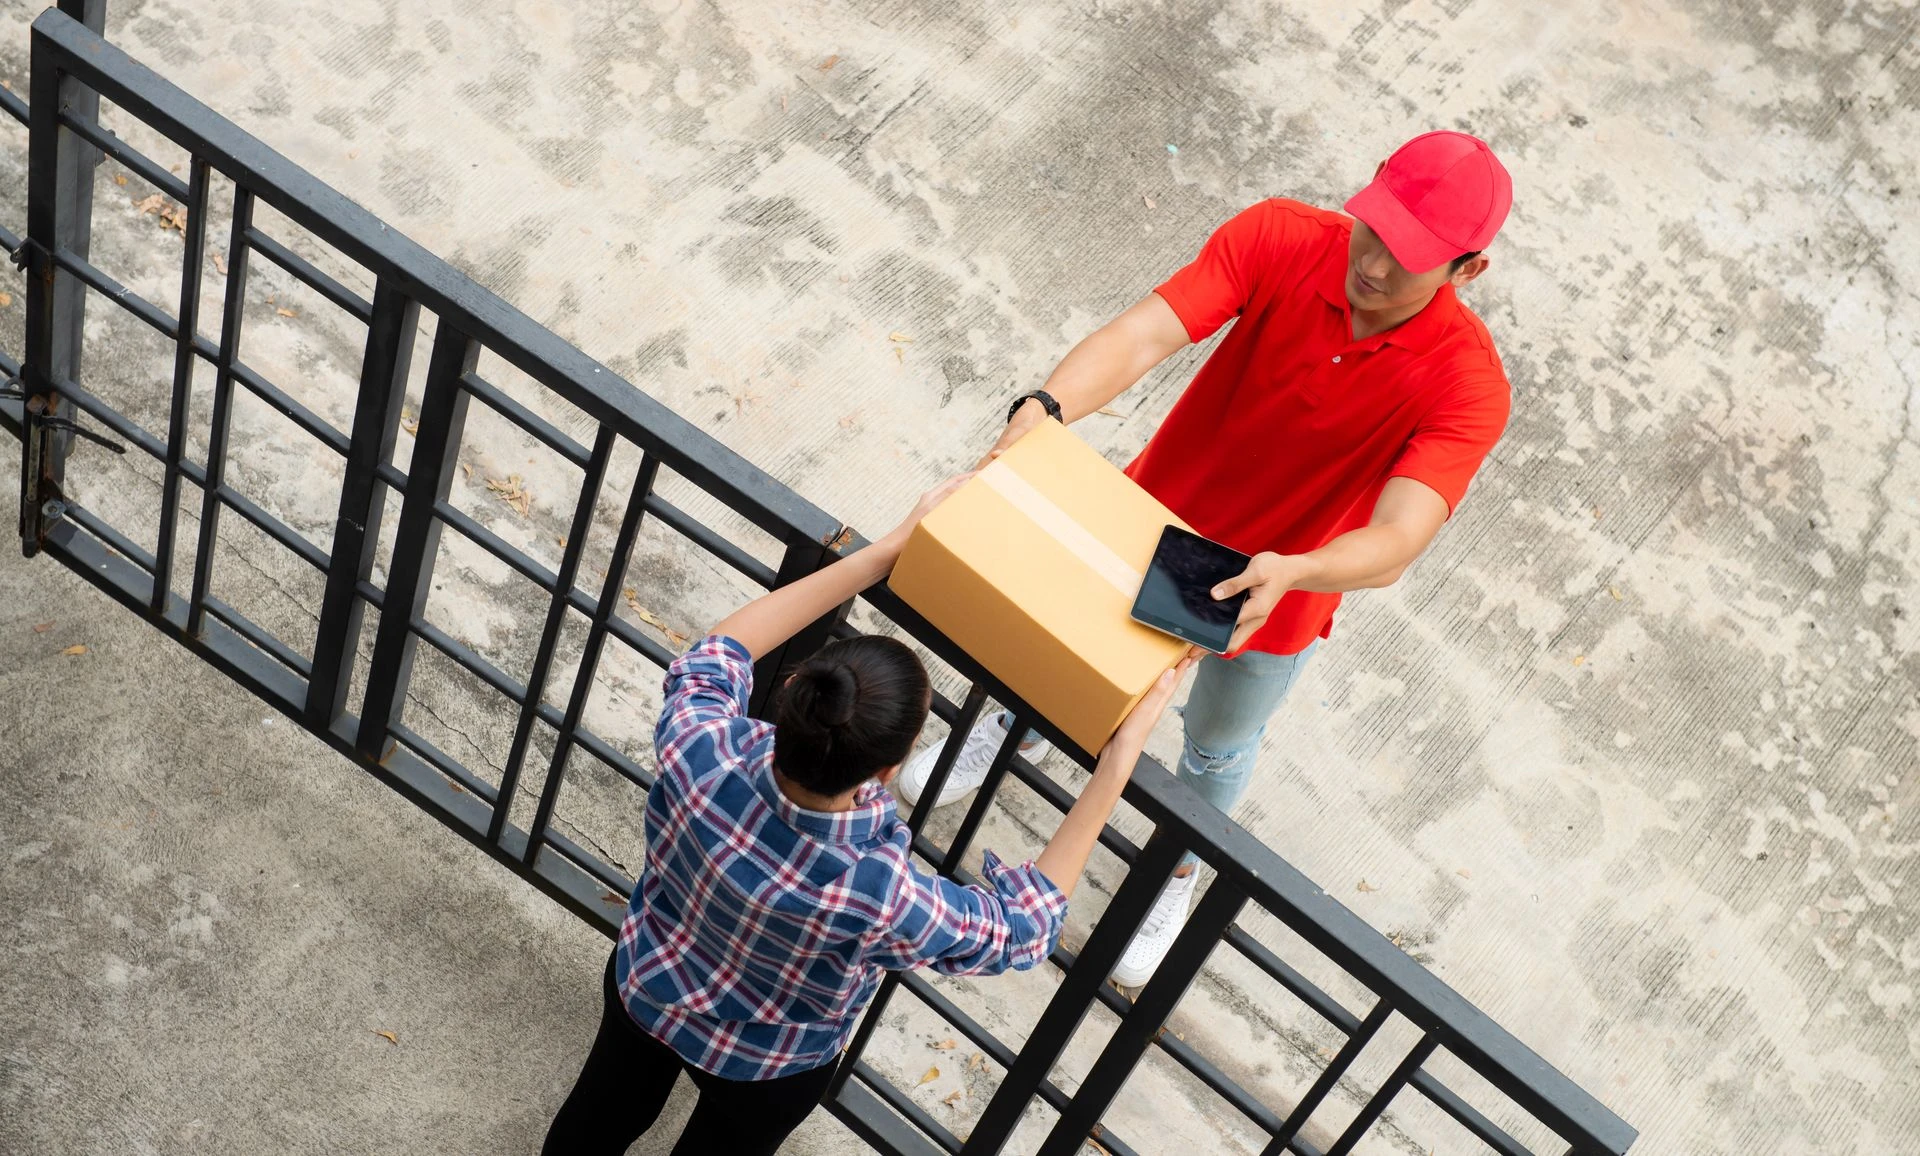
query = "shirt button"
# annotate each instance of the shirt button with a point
(1336, 359)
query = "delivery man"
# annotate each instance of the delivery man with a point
(1329, 436)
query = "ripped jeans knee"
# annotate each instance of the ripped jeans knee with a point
(1197, 762)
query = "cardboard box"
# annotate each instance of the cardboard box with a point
(1032, 568)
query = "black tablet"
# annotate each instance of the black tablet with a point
(1177, 595)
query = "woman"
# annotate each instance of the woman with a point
(778, 885)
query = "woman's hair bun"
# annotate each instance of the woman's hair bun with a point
(849, 711)
(825, 695)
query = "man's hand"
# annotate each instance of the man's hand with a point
(1031, 413)
(1266, 578)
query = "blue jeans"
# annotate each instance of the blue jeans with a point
(1226, 716)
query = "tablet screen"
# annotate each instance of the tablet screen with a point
(1177, 597)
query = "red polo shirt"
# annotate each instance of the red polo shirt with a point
(1288, 434)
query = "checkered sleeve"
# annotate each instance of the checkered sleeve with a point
(1012, 922)
(706, 690)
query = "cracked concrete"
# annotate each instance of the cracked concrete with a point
(1629, 759)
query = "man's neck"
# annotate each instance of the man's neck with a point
(1373, 322)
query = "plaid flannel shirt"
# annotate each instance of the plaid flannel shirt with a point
(758, 930)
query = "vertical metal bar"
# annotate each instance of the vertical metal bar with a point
(416, 542)
(1146, 1019)
(363, 499)
(800, 560)
(550, 633)
(1402, 1072)
(590, 654)
(1336, 1067)
(193, 262)
(943, 766)
(857, 1046)
(92, 13)
(977, 810)
(235, 305)
(1076, 993)
(60, 168)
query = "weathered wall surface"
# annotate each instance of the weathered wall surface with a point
(1629, 759)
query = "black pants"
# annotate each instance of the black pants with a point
(629, 1076)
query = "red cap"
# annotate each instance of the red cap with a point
(1440, 195)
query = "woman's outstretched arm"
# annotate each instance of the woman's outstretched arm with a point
(774, 617)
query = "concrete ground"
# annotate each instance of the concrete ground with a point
(1630, 759)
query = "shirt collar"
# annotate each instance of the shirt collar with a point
(861, 824)
(1417, 333)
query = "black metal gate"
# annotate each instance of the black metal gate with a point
(73, 67)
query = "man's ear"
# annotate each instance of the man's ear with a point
(886, 775)
(1469, 271)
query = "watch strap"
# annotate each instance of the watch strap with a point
(1046, 402)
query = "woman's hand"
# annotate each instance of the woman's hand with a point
(896, 538)
(1127, 742)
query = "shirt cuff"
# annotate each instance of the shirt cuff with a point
(1177, 301)
(1026, 890)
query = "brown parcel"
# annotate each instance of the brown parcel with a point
(1032, 568)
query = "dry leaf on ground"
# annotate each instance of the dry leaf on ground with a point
(174, 217)
(410, 422)
(219, 263)
(1148, 200)
(651, 619)
(120, 179)
(1615, 591)
(1579, 660)
(42, 627)
(827, 64)
(389, 1037)
(75, 651)
(286, 313)
(6, 299)
(946, 1045)
(901, 337)
(151, 204)
(1366, 886)
(976, 1062)
(932, 1075)
(512, 493)
(1464, 873)
(953, 1099)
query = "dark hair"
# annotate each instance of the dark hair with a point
(1461, 260)
(851, 710)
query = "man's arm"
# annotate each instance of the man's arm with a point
(1405, 519)
(1103, 365)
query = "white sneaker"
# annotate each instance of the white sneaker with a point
(970, 769)
(1156, 934)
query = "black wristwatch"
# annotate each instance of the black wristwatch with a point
(1044, 398)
